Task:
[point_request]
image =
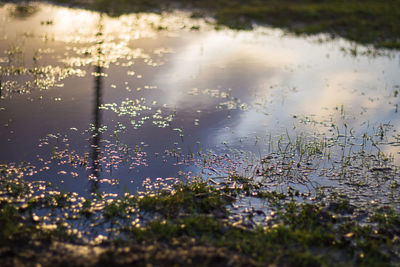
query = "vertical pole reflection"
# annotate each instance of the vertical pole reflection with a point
(1, 82)
(98, 87)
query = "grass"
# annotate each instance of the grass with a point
(192, 223)
(368, 22)
(187, 199)
(214, 222)
(299, 235)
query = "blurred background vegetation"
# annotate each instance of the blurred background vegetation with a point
(373, 22)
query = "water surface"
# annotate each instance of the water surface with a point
(93, 101)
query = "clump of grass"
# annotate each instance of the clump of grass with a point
(23, 10)
(300, 235)
(8, 217)
(191, 198)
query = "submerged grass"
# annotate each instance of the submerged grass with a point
(368, 22)
(213, 222)
(192, 221)
(190, 225)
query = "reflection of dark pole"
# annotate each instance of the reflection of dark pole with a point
(96, 134)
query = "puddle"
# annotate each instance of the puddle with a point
(100, 103)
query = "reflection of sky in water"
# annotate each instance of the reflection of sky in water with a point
(177, 90)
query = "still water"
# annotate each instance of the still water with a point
(89, 99)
